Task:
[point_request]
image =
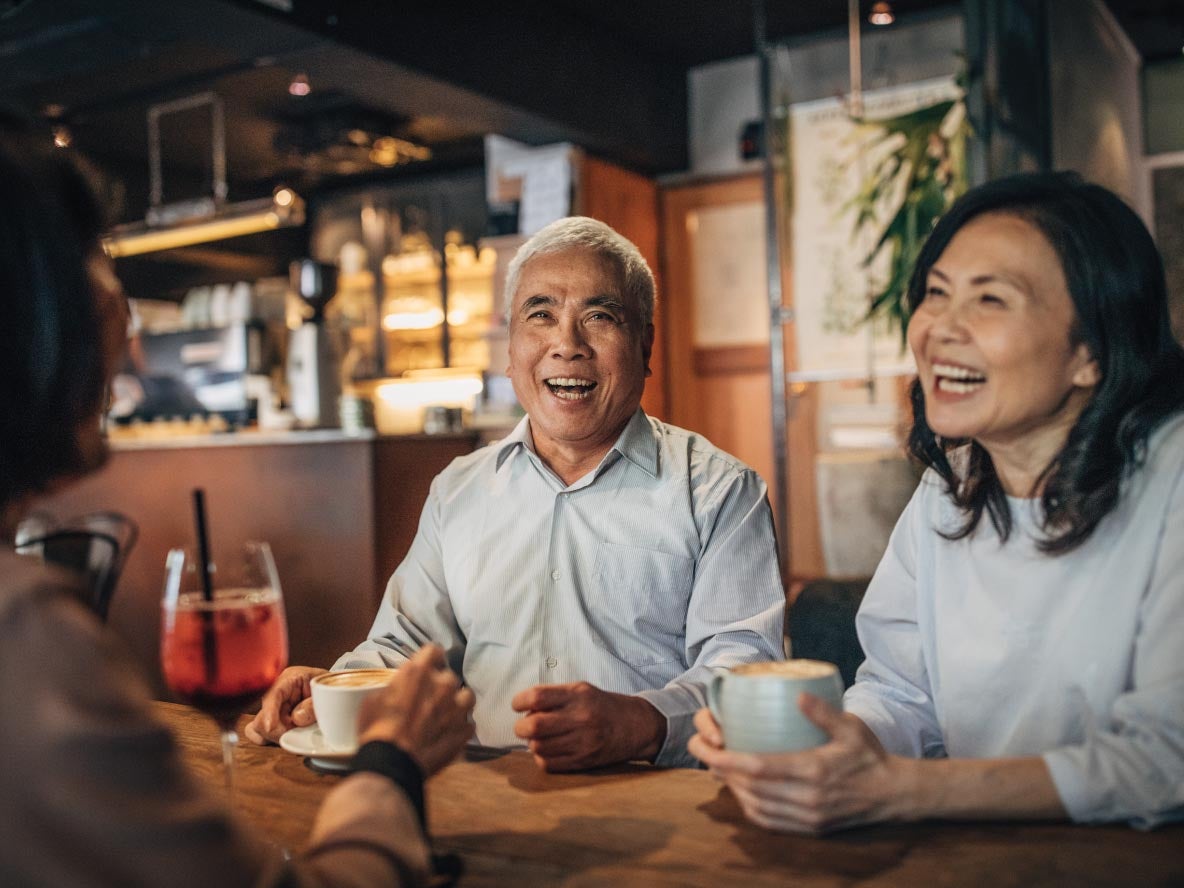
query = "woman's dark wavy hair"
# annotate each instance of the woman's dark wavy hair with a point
(50, 352)
(1116, 280)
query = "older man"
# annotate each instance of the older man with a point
(586, 574)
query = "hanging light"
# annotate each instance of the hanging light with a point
(284, 209)
(204, 219)
(300, 85)
(881, 14)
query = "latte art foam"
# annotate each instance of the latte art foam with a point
(356, 678)
(787, 669)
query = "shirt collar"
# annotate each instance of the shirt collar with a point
(520, 437)
(637, 443)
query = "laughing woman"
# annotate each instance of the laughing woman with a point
(1024, 631)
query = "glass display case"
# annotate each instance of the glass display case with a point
(417, 327)
(416, 290)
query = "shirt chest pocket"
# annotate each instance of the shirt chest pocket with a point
(640, 609)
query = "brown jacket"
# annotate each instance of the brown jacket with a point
(92, 791)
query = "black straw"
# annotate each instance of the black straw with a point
(203, 542)
(209, 639)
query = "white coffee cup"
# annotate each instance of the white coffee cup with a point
(756, 704)
(337, 697)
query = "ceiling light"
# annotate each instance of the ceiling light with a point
(283, 210)
(881, 14)
(413, 320)
(388, 151)
(300, 85)
(62, 136)
(385, 151)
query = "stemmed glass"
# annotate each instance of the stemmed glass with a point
(220, 653)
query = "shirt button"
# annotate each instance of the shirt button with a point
(555, 575)
(552, 662)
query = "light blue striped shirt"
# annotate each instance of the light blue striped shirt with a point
(643, 577)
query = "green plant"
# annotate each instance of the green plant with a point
(918, 171)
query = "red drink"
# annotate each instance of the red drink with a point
(221, 656)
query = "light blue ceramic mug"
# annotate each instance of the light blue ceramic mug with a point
(756, 704)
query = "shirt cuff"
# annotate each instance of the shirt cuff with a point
(1069, 785)
(393, 763)
(1088, 798)
(678, 705)
(897, 736)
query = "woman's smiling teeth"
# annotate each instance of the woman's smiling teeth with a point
(957, 380)
(570, 388)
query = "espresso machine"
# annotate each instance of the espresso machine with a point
(314, 371)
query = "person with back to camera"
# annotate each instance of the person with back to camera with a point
(1024, 630)
(92, 791)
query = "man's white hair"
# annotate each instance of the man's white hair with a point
(580, 232)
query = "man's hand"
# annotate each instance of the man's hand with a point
(424, 711)
(286, 705)
(571, 727)
(847, 781)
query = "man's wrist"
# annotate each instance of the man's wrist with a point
(652, 733)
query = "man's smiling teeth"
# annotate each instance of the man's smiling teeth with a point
(570, 388)
(957, 380)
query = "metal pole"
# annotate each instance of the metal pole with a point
(778, 314)
(376, 238)
(855, 58)
(440, 242)
(855, 109)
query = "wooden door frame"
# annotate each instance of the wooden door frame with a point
(677, 202)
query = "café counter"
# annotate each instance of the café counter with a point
(340, 512)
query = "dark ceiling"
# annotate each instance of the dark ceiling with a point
(607, 74)
(709, 31)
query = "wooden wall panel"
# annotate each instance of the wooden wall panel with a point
(723, 397)
(403, 469)
(628, 202)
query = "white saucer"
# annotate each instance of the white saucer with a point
(310, 742)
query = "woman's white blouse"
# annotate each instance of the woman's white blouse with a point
(977, 648)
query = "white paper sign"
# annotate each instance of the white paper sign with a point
(830, 287)
(545, 174)
(731, 279)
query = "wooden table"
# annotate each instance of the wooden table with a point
(514, 825)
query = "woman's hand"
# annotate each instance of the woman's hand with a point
(847, 781)
(424, 711)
